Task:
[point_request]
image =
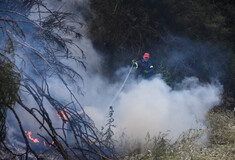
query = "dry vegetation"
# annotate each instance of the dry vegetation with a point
(217, 142)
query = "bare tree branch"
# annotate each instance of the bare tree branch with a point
(75, 125)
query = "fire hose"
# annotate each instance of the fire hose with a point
(123, 84)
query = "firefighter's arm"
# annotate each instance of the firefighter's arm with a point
(150, 69)
(136, 63)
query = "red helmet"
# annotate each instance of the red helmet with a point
(147, 55)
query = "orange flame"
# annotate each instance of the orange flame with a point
(35, 140)
(29, 133)
(64, 114)
(51, 143)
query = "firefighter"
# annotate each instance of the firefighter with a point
(144, 66)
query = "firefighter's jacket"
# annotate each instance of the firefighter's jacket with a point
(144, 68)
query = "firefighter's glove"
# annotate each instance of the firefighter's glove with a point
(133, 61)
(146, 72)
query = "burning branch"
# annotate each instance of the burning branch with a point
(63, 114)
(29, 133)
(28, 148)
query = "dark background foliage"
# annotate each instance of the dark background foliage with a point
(124, 29)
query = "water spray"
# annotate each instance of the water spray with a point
(123, 84)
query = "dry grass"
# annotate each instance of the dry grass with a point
(219, 144)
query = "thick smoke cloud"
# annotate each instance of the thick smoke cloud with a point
(152, 106)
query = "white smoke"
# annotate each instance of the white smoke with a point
(151, 106)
